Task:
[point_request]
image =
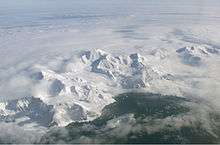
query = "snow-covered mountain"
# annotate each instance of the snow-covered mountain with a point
(195, 55)
(29, 109)
(84, 87)
(82, 90)
(133, 71)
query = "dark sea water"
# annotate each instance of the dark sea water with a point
(145, 118)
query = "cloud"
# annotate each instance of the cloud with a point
(18, 86)
(11, 133)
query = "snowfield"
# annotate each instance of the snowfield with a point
(66, 65)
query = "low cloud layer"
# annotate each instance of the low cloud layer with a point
(11, 133)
